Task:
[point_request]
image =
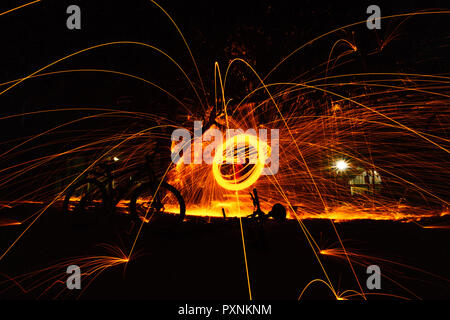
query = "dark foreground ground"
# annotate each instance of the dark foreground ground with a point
(203, 258)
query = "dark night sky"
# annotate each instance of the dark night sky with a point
(266, 30)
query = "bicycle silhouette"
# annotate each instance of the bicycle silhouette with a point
(97, 195)
(278, 212)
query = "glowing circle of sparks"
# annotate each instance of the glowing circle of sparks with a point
(249, 178)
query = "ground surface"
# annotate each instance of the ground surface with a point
(203, 258)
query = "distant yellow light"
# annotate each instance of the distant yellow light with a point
(116, 159)
(341, 165)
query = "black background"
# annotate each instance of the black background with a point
(266, 31)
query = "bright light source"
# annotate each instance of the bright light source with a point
(116, 159)
(341, 165)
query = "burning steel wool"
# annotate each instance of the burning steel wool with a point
(336, 143)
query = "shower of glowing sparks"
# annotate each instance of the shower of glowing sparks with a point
(52, 280)
(372, 109)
